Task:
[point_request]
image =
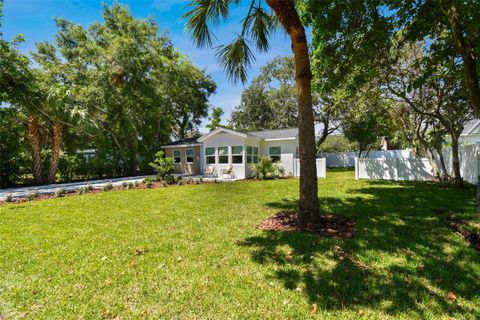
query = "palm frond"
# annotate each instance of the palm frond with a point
(259, 25)
(236, 58)
(203, 13)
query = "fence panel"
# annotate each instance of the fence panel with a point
(347, 159)
(407, 169)
(321, 168)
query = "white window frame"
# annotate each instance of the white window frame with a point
(214, 156)
(279, 155)
(186, 156)
(179, 156)
(223, 155)
(237, 155)
(252, 157)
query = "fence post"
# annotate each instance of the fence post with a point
(356, 168)
(478, 177)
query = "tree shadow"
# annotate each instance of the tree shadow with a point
(402, 255)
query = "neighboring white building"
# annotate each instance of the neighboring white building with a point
(471, 132)
(223, 149)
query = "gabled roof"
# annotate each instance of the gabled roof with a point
(222, 129)
(183, 142)
(280, 134)
(471, 127)
(276, 134)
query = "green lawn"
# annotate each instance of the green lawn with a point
(193, 252)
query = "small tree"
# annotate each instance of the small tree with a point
(163, 165)
(215, 118)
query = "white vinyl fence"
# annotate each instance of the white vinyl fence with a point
(321, 168)
(393, 169)
(347, 159)
(468, 162)
(417, 169)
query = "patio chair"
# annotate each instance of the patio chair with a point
(228, 171)
(209, 171)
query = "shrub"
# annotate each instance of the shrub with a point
(60, 193)
(124, 184)
(89, 187)
(148, 184)
(33, 195)
(136, 184)
(9, 198)
(164, 184)
(178, 179)
(108, 187)
(181, 182)
(200, 179)
(169, 179)
(131, 185)
(163, 165)
(147, 179)
(197, 181)
(156, 178)
(267, 169)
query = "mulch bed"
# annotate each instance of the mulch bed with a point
(330, 225)
(461, 226)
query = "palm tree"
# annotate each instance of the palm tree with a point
(237, 56)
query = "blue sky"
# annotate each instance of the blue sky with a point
(34, 19)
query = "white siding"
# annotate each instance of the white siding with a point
(288, 149)
(223, 139)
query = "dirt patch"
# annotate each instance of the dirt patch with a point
(463, 227)
(330, 225)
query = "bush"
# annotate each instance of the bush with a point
(178, 179)
(131, 185)
(9, 198)
(108, 187)
(124, 184)
(148, 184)
(200, 179)
(163, 165)
(60, 192)
(136, 184)
(33, 195)
(267, 169)
(89, 187)
(147, 180)
(164, 184)
(169, 179)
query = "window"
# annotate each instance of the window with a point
(237, 154)
(222, 154)
(176, 156)
(275, 153)
(252, 154)
(189, 155)
(210, 155)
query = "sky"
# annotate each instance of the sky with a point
(34, 19)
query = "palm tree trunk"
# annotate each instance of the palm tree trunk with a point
(56, 145)
(308, 206)
(34, 137)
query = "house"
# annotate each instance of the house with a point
(225, 148)
(470, 133)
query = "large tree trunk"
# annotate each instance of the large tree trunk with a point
(457, 176)
(308, 206)
(34, 137)
(441, 158)
(464, 48)
(56, 145)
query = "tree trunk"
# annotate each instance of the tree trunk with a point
(56, 145)
(308, 205)
(457, 176)
(34, 137)
(132, 167)
(443, 167)
(433, 163)
(464, 48)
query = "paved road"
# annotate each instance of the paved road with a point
(72, 186)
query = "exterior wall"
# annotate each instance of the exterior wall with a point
(183, 167)
(223, 139)
(288, 149)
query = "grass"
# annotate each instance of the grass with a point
(193, 252)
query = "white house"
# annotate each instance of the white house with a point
(225, 149)
(471, 132)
